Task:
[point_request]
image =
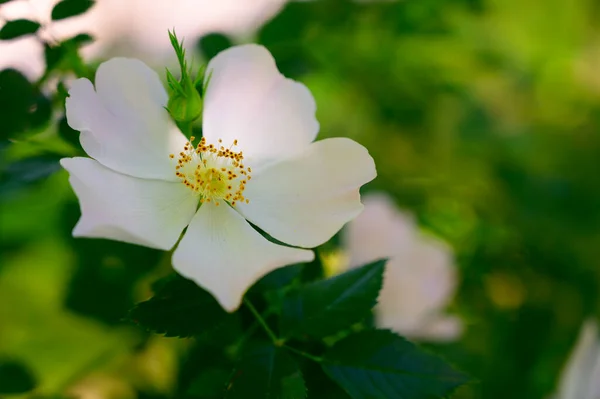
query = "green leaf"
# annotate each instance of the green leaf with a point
(210, 383)
(103, 266)
(70, 8)
(380, 364)
(22, 107)
(24, 172)
(325, 307)
(266, 371)
(81, 39)
(320, 385)
(18, 28)
(55, 54)
(180, 309)
(212, 44)
(15, 378)
(68, 134)
(279, 278)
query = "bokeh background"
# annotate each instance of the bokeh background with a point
(483, 117)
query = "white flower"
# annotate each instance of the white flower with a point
(256, 162)
(420, 277)
(581, 376)
(130, 27)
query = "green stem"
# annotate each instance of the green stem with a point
(263, 323)
(278, 341)
(306, 355)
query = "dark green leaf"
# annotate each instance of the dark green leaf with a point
(210, 383)
(54, 54)
(279, 278)
(288, 26)
(380, 364)
(22, 106)
(15, 378)
(70, 8)
(68, 134)
(212, 44)
(180, 309)
(266, 371)
(320, 385)
(81, 39)
(328, 306)
(101, 267)
(313, 271)
(18, 28)
(27, 171)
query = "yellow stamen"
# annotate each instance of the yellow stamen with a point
(213, 173)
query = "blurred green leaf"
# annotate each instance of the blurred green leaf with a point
(55, 54)
(325, 307)
(70, 8)
(15, 378)
(17, 28)
(210, 383)
(212, 44)
(81, 39)
(289, 25)
(284, 37)
(105, 266)
(22, 106)
(22, 173)
(180, 309)
(380, 364)
(68, 134)
(266, 371)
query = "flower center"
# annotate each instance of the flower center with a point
(213, 173)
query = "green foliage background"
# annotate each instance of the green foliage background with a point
(483, 117)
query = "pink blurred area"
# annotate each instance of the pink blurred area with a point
(132, 28)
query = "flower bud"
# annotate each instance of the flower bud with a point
(185, 105)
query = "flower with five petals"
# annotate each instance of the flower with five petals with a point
(256, 162)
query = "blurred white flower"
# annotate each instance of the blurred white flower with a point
(132, 28)
(420, 277)
(256, 162)
(581, 376)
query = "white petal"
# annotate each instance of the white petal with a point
(248, 99)
(594, 381)
(440, 328)
(304, 201)
(151, 213)
(418, 282)
(123, 123)
(577, 379)
(420, 277)
(380, 231)
(223, 254)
